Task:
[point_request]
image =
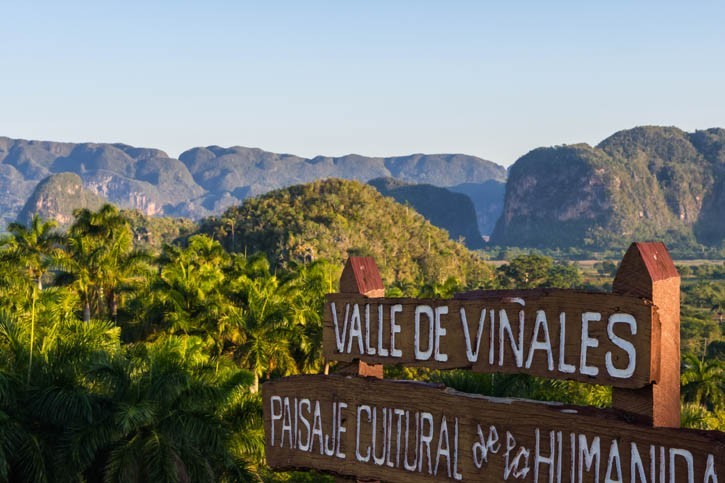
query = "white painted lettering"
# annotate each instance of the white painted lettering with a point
(425, 439)
(306, 423)
(286, 424)
(588, 342)
(340, 336)
(564, 367)
(636, 467)
(588, 457)
(687, 456)
(355, 331)
(539, 459)
(340, 429)
(472, 355)
(359, 456)
(370, 350)
(443, 448)
(440, 331)
(517, 347)
(710, 473)
(613, 464)
(274, 415)
(317, 428)
(541, 345)
(426, 310)
(383, 351)
(414, 465)
(395, 329)
(623, 344)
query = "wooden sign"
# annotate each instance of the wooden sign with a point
(591, 337)
(407, 431)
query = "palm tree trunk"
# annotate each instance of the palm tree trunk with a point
(32, 330)
(113, 306)
(326, 370)
(86, 311)
(255, 385)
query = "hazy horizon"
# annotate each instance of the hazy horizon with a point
(336, 155)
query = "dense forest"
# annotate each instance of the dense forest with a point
(333, 219)
(126, 356)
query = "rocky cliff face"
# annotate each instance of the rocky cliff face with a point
(647, 182)
(56, 197)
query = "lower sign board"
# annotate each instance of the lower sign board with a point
(401, 431)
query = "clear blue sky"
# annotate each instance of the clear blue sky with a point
(493, 79)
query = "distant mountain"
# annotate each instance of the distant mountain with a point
(453, 212)
(642, 183)
(333, 219)
(56, 197)
(205, 180)
(248, 172)
(487, 198)
(138, 178)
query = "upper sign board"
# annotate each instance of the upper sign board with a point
(591, 337)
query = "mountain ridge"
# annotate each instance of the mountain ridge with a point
(648, 182)
(204, 180)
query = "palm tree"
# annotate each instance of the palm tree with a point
(265, 328)
(695, 416)
(30, 249)
(190, 290)
(79, 265)
(95, 411)
(703, 381)
(38, 412)
(100, 260)
(305, 288)
(166, 421)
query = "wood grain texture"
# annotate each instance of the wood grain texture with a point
(574, 443)
(361, 276)
(536, 349)
(647, 271)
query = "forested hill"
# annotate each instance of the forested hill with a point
(205, 180)
(333, 219)
(643, 183)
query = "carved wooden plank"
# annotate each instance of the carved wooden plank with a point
(408, 432)
(591, 337)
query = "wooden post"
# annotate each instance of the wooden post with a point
(361, 276)
(647, 271)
